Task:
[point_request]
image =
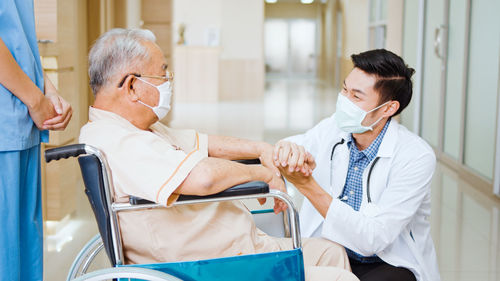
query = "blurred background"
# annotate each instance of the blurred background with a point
(265, 70)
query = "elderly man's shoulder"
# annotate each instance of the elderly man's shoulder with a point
(101, 131)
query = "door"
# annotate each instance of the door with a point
(460, 83)
(433, 71)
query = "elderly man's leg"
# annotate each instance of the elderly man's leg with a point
(323, 259)
(328, 273)
(323, 252)
(326, 260)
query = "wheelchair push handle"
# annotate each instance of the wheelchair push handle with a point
(65, 152)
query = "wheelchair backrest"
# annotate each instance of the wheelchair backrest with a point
(94, 188)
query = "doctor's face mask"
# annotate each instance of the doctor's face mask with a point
(349, 116)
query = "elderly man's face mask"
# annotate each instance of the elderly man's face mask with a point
(164, 90)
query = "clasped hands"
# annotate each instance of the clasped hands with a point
(50, 111)
(293, 162)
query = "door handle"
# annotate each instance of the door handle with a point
(438, 40)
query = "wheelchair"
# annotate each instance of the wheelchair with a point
(97, 178)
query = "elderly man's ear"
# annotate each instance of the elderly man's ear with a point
(128, 88)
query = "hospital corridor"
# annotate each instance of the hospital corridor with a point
(138, 139)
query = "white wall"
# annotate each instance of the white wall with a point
(241, 27)
(240, 23)
(197, 15)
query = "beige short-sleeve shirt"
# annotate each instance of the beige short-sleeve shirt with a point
(151, 165)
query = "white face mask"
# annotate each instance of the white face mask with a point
(349, 116)
(165, 96)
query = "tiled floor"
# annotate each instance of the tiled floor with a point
(465, 223)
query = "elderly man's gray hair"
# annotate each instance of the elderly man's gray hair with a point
(114, 51)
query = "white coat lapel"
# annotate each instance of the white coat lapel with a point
(339, 168)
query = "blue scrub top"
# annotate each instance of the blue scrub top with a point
(17, 30)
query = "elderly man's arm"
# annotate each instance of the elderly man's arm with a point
(212, 175)
(238, 149)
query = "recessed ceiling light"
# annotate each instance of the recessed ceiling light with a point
(271, 1)
(306, 1)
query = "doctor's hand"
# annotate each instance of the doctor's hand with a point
(294, 157)
(298, 179)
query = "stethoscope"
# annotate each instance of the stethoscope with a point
(344, 198)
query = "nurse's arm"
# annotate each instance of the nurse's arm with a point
(61, 106)
(18, 83)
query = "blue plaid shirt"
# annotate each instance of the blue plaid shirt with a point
(353, 189)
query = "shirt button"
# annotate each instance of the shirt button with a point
(351, 192)
(355, 168)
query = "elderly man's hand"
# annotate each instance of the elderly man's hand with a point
(276, 182)
(294, 157)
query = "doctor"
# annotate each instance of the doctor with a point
(371, 185)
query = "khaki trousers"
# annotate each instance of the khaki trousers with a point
(324, 260)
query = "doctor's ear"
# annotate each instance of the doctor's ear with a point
(392, 108)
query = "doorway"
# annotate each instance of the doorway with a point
(290, 47)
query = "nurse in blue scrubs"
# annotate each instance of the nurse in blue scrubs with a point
(26, 113)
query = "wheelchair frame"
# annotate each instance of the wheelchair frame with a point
(95, 245)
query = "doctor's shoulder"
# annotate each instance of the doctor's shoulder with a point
(412, 146)
(325, 129)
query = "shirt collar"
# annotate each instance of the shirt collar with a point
(371, 151)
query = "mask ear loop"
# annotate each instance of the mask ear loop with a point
(376, 122)
(141, 102)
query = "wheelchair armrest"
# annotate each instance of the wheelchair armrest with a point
(249, 188)
(249, 161)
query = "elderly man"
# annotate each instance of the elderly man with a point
(129, 77)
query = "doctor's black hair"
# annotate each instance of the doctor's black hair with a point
(392, 74)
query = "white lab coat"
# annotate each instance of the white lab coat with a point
(395, 225)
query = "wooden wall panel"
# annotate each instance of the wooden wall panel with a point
(66, 64)
(241, 80)
(46, 19)
(163, 33)
(196, 74)
(156, 11)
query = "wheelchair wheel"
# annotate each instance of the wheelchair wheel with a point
(86, 257)
(127, 272)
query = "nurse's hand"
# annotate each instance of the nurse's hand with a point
(63, 110)
(41, 110)
(294, 157)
